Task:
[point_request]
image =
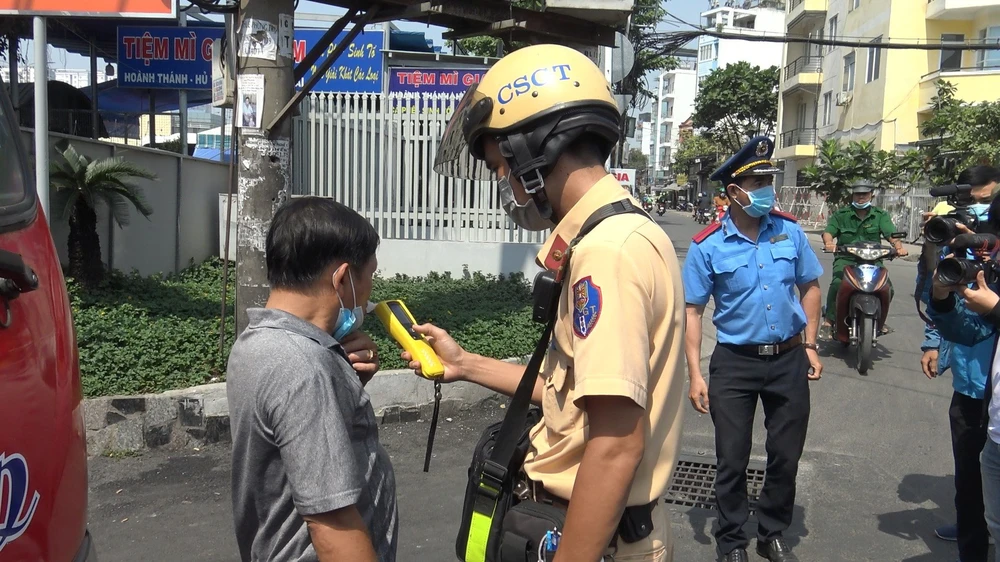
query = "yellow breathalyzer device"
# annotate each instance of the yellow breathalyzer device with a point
(399, 323)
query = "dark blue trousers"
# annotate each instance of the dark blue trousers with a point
(737, 379)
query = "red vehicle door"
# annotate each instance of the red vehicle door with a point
(43, 457)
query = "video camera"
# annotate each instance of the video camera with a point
(940, 229)
(962, 271)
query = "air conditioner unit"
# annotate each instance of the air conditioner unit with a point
(844, 98)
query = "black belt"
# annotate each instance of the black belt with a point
(766, 350)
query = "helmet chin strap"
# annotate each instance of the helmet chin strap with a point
(518, 148)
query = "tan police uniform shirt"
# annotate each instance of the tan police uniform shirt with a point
(620, 332)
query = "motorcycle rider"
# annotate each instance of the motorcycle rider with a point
(857, 222)
(704, 203)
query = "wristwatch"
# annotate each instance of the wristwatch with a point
(809, 345)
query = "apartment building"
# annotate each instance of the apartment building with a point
(674, 104)
(747, 17)
(883, 95)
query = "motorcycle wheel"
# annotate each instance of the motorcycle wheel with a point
(866, 340)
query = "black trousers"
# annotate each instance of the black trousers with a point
(737, 380)
(968, 437)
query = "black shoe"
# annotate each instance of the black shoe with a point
(776, 551)
(738, 555)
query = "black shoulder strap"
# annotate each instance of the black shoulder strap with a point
(517, 410)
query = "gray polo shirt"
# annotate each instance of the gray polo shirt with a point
(305, 440)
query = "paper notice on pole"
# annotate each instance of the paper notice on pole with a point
(260, 39)
(286, 30)
(250, 106)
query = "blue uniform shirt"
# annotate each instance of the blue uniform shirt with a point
(753, 284)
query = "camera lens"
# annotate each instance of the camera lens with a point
(940, 229)
(953, 271)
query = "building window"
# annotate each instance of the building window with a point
(853, 5)
(951, 60)
(667, 130)
(874, 61)
(991, 58)
(849, 73)
(705, 52)
(833, 32)
(827, 108)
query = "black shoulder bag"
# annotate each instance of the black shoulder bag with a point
(500, 452)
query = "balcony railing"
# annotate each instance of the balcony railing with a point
(797, 137)
(812, 63)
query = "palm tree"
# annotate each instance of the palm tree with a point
(79, 184)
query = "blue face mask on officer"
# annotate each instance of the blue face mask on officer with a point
(761, 201)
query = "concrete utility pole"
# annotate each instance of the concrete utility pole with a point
(263, 164)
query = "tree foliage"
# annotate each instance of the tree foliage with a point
(968, 134)
(839, 166)
(637, 160)
(737, 102)
(691, 147)
(79, 186)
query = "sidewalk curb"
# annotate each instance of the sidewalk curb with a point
(199, 415)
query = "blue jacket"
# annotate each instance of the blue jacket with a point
(963, 339)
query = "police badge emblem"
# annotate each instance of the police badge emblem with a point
(761, 148)
(587, 301)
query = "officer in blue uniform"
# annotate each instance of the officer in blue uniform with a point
(751, 263)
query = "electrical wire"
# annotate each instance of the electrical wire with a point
(673, 37)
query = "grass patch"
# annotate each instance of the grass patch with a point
(149, 334)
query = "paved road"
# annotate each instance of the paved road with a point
(875, 478)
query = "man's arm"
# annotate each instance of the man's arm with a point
(698, 393)
(809, 294)
(340, 535)
(614, 450)
(460, 365)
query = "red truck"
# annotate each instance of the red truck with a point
(43, 447)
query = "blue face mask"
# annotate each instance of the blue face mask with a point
(761, 201)
(861, 205)
(981, 210)
(348, 320)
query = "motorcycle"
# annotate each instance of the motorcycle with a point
(863, 298)
(704, 216)
(661, 208)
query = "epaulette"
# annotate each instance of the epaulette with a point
(784, 215)
(701, 236)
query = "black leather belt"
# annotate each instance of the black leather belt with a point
(767, 350)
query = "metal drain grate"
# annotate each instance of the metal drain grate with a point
(693, 483)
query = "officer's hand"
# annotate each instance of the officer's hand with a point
(815, 364)
(929, 363)
(699, 394)
(979, 298)
(924, 217)
(363, 354)
(448, 351)
(829, 247)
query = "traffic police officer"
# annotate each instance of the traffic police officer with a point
(750, 263)
(542, 122)
(859, 221)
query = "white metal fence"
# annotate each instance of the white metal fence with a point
(905, 206)
(375, 154)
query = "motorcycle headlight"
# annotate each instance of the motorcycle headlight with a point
(869, 254)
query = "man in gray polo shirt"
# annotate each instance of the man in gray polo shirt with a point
(311, 482)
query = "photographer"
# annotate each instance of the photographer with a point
(963, 344)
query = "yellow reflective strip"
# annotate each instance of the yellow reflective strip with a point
(479, 533)
(742, 169)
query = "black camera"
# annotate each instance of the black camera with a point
(962, 271)
(940, 229)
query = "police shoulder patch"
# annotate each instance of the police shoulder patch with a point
(784, 215)
(708, 230)
(586, 306)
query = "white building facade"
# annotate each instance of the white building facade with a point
(674, 104)
(748, 17)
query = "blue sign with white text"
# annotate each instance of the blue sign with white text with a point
(357, 70)
(176, 58)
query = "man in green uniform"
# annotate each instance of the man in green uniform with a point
(858, 222)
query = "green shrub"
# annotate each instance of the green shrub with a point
(150, 334)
